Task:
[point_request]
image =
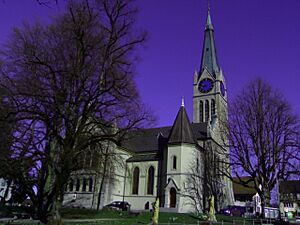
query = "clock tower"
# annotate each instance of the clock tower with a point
(210, 97)
(210, 109)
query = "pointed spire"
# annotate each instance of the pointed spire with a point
(182, 101)
(181, 131)
(209, 54)
(208, 21)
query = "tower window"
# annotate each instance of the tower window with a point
(174, 162)
(201, 116)
(206, 110)
(136, 177)
(213, 107)
(150, 180)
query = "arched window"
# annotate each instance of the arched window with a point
(91, 185)
(150, 180)
(213, 107)
(201, 116)
(136, 177)
(71, 184)
(206, 111)
(84, 184)
(77, 184)
(174, 162)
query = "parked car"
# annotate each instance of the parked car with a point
(234, 210)
(118, 205)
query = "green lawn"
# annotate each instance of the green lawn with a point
(104, 217)
(126, 218)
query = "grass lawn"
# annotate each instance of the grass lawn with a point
(105, 217)
(125, 218)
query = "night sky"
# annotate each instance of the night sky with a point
(253, 38)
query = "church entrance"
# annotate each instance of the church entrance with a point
(172, 198)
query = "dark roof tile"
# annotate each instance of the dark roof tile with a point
(182, 131)
(146, 140)
(143, 157)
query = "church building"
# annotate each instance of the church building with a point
(180, 164)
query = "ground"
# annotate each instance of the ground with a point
(86, 216)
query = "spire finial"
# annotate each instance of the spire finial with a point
(182, 101)
(208, 21)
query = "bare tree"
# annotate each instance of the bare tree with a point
(205, 179)
(6, 129)
(108, 162)
(263, 139)
(194, 189)
(71, 83)
(214, 181)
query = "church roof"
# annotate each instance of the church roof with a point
(145, 140)
(152, 139)
(182, 131)
(209, 54)
(143, 157)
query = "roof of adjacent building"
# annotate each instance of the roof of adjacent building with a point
(289, 186)
(239, 189)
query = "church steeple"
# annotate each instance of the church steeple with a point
(208, 21)
(209, 55)
(210, 97)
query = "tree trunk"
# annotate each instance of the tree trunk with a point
(100, 192)
(55, 203)
(102, 180)
(42, 213)
(55, 212)
(51, 202)
(263, 204)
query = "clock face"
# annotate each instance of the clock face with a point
(222, 89)
(206, 85)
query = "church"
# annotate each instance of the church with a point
(180, 164)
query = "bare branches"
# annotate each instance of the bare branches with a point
(72, 86)
(263, 134)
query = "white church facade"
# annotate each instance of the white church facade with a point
(179, 164)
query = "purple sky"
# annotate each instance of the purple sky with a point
(253, 38)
